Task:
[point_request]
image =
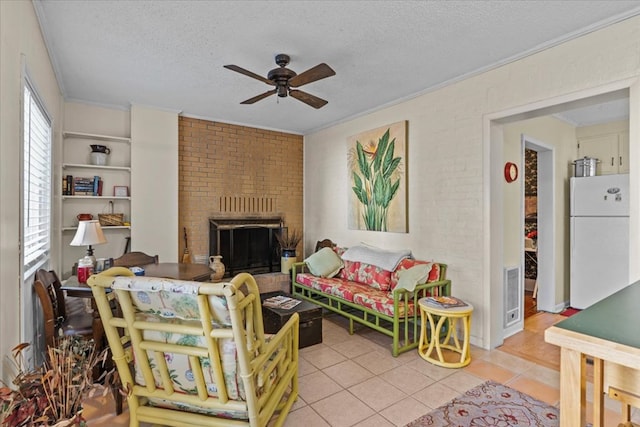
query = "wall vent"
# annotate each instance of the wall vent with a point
(512, 296)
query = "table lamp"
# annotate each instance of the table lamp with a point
(89, 233)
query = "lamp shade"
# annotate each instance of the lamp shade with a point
(88, 233)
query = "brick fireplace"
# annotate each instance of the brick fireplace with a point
(233, 172)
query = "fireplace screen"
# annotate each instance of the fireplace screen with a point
(246, 245)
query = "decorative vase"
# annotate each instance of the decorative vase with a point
(287, 259)
(217, 266)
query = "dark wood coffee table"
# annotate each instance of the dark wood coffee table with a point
(310, 319)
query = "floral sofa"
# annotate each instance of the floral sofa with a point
(383, 297)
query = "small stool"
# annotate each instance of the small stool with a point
(628, 400)
(451, 315)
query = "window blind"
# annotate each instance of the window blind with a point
(36, 240)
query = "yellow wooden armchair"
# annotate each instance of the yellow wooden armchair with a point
(195, 354)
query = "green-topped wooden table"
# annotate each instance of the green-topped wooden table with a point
(609, 333)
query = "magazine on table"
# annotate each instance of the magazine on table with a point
(281, 301)
(446, 302)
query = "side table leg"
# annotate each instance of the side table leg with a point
(433, 339)
(453, 324)
(423, 331)
(436, 337)
(465, 356)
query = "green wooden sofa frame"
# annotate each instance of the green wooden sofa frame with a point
(402, 327)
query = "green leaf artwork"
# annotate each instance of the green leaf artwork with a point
(376, 180)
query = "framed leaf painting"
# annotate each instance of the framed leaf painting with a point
(377, 173)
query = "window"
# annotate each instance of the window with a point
(36, 202)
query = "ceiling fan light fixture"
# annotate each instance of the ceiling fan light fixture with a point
(284, 79)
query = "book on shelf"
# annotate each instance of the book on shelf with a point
(97, 188)
(281, 302)
(67, 185)
(446, 302)
(82, 186)
(80, 181)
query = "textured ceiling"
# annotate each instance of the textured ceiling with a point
(170, 54)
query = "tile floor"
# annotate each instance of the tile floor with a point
(354, 381)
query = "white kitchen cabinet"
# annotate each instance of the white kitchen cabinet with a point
(612, 151)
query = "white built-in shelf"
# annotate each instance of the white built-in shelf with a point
(70, 134)
(64, 197)
(85, 166)
(104, 227)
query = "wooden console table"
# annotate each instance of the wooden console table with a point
(607, 332)
(179, 271)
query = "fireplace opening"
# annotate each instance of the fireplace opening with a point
(246, 245)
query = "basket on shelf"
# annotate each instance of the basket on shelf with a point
(111, 219)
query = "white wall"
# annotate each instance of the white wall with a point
(451, 165)
(20, 43)
(154, 182)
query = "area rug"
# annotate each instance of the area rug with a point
(491, 405)
(568, 312)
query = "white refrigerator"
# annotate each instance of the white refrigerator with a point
(599, 238)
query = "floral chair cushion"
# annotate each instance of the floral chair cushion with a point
(181, 370)
(171, 299)
(232, 415)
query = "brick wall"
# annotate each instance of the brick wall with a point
(231, 171)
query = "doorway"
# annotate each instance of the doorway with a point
(553, 279)
(530, 180)
(537, 222)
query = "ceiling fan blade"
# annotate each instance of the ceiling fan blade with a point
(259, 97)
(308, 99)
(316, 73)
(249, 73)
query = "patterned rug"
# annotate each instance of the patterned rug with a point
(491, 405)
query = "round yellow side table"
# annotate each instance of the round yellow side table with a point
(431, 343)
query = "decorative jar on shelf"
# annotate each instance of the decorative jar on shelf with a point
(215, 264)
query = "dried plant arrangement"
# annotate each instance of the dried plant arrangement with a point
(52, 395)
(289, 241)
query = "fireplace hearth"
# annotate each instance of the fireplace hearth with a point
(246, 244)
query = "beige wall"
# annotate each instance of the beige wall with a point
(154, 182)
(451, 163)
(561, 136)
(20, 44)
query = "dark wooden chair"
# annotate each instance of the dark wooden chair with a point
(135, 259)
(326, 243)
(68, 316)
(61, 316)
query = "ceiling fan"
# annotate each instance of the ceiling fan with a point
(285, 79)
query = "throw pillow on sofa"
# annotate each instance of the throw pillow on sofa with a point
(434, 272)
(324, 263)
(367, 274)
